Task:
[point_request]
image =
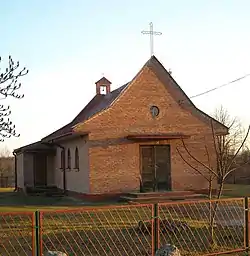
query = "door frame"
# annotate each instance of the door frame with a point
(140, 165)
(35, 155)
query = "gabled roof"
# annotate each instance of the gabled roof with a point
(103, 80)
(36, 146)
(179, 95)
(96, 105)
(102, 102)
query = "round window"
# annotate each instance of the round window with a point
(154, 111)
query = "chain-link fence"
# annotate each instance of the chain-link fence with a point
(17, 234)
(203, 227)
(106, 231)
(199, 227)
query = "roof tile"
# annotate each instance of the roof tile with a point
(96, 105)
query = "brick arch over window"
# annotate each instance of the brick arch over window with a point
(69, 159)
(76, 158)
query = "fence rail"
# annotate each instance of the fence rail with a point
(16, 233)
(199, 227)
(203, 227)
(106, 231)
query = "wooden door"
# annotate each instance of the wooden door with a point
(155, 168)
(40, 169)
(163, 167)
(147, 168)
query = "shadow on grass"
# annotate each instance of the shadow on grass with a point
(16, 201)
(236, 190)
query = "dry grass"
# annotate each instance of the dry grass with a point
(5, 190)
(88, 230)
(19, 202)
(114, 231)
(236, 190)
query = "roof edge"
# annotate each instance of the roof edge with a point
(186, 101)
(34, 145)
(69, 135)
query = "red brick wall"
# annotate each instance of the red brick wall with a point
(115, 168)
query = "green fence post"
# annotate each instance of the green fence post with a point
(246, 225)
(156, 227)
(37, 233)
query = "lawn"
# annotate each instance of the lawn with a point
(13, 201)
(236, 190)
(10, 201)
(114, 231)
(5, 190)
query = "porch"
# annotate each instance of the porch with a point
(35, 166)
(38, 169)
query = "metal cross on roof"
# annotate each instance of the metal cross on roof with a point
(152, 33)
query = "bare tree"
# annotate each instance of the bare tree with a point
(236, 130)
(9, 87)
(232, 142)
(5, 152)
(203, 169)
(226, 148)
(7, 163)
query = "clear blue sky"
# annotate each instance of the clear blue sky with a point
(68, 44)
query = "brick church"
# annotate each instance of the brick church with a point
(124, 140)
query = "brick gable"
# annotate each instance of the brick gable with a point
(115, 162)
(130, 113)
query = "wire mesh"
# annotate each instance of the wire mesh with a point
(203, 227)
(124, 230)
(16, 234)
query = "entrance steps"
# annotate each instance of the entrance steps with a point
(44, 191)
(158, 197)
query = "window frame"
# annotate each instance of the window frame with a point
(76, 165)
(62, 159)
(69, 159)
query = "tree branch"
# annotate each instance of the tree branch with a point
(240, 147)
(197, 170)
(214, 139)
(208, 157)
(198, 161)
(234, 169)
(8, 87)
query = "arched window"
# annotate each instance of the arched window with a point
(76, 158)
(69, 159)
(62, 159)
